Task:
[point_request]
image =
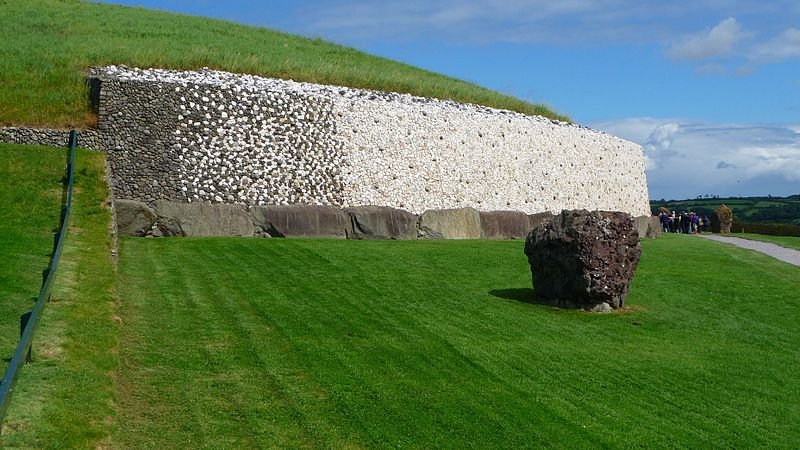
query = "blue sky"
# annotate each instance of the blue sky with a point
(709, 88)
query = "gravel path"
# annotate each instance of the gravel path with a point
(776, 251)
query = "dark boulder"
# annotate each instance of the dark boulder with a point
(504, 225)
(381, 222)
(584, 259)
(316, 221)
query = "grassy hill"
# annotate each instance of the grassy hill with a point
(246, 343)
(49, 44)
(745, 209)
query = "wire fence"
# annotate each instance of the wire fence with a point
(30, 320)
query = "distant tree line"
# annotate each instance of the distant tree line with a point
(777, 210)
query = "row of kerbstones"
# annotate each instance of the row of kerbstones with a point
(167, 218)
(218, 137)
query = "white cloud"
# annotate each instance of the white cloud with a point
(686, 159)
(784, 46)
(719, 41)
(711, 69)
(581, 22)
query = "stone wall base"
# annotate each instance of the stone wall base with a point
(165, 218)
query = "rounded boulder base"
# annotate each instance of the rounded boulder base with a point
(584, 259)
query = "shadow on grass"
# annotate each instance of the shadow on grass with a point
(523, 295)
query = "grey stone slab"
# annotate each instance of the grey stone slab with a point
(202, 219)
(315, 221)
(461, 223)
(381, 222)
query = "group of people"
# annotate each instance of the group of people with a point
(685, 222)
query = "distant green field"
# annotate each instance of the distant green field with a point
(768, 210)
(48, 45)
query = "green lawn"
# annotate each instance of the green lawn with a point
(64, 399)
(242, 343)
(31, 202)
(48, 45)
(287, 343)
(784, 241)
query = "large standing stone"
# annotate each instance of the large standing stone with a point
(504, 225)
(461, 223)
(381, 222)
(721, 220)
(301, 221)
(584, 259)
(202, 219)
(133, 218)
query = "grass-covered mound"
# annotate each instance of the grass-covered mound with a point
(49, 44)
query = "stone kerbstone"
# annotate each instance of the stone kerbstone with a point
(133, 218)
(202, 219)
(301, 221)
(648, 226)
(380, 222)
(504, 224)
(584, 259)
(461, 223)
(654, 228)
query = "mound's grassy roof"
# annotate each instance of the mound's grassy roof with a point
(48, 45)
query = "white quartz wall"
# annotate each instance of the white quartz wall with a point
(258, 141)
(427, 156)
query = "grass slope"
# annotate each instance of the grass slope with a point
(49, 44)
(30, 186)
(64, 399)
(289, 343)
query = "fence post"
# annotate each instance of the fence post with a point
(23, 322)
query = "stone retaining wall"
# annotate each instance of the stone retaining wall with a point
(215, 137)
(165, 218)
(90, 139)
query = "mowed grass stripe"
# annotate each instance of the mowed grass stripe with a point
(64, 399)
(326, 343)
(31, 202)
(217, 365)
